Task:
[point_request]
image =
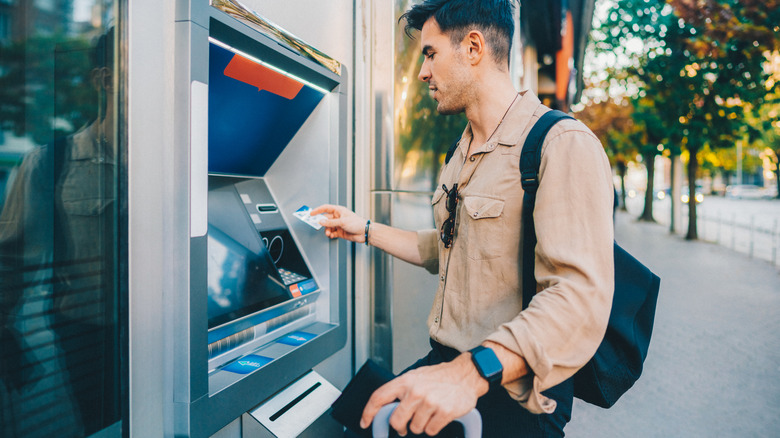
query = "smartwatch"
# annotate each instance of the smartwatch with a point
(487, 364)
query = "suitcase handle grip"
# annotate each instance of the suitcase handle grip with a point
(472, 422)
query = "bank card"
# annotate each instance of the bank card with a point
(313, 221)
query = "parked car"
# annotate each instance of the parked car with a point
(744, 191)
(684, 194)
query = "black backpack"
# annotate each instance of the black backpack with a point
(618, 361)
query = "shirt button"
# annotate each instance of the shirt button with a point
(436, 320)
(473, 158)
(441, 277)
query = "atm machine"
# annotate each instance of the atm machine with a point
(264, 115)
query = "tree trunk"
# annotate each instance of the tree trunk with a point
(621, 165)
(777, 172)
(693, 167)
(647, 213)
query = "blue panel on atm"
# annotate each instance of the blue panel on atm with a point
(296, 338)
(247, 364)
(254, 112)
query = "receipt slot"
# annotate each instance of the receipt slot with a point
(263, 117)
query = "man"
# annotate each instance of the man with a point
(476, 248)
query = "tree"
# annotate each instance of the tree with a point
(651, 136)
(767, 132)
(700, 62)
(611, 121)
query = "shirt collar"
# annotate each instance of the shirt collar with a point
(517, 119)
(514, 125)
(85, 146)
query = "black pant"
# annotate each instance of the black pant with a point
(504, 417)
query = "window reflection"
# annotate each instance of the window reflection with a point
(422, 135)
(60, 372)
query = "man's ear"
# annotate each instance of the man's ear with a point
(474, 46)
(101, 78)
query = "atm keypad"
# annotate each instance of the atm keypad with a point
(289, 277)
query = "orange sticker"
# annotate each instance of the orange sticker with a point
(252, 73)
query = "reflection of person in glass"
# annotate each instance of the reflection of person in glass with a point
(58, 239)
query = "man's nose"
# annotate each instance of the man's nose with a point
(425, 73)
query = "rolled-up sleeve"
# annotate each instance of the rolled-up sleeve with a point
(428, 245)
(563, 326)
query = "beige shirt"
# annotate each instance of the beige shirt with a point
(479, 296)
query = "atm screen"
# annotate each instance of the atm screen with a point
(241, 281)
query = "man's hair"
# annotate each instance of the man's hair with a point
(494, 18)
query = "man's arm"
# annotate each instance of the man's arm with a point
(345, 224)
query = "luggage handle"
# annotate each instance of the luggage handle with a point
(472, 422)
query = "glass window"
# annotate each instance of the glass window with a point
(62, 210)
(5, 27)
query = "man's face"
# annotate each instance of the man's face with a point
(444, 69)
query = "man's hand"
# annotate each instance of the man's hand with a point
(342, 223)
(430, 397)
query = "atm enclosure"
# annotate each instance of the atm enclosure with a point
(265, 125)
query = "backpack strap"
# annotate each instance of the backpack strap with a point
(530, 160)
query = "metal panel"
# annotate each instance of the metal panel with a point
(360, 165)
(151, 195)
(381, 345)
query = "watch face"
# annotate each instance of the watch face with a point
(487, 363)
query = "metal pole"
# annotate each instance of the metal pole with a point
(719, 220)
(703, 224)
(739, 161)
(775, 239)
(733, 230)
(752, 234)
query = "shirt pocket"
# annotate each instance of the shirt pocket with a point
(439, 208)
(482, 230)
(87, 189)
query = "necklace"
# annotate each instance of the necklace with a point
(502, 118)
(499, 124)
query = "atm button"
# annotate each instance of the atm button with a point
(307, 286)
(247, 364)
(296, 338)
(295, 291)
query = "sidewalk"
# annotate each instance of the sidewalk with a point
(713, 368)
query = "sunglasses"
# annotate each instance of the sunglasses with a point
(448, 227)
